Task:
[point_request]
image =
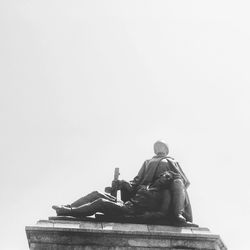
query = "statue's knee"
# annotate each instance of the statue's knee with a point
(100, 201)
(177, 183)
(96, 194)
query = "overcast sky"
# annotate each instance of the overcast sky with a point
(87, 86)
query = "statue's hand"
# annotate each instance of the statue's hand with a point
(108, 190)
(116, 184)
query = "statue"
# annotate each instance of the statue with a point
(158, 192)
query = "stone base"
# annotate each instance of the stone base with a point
(79, 235)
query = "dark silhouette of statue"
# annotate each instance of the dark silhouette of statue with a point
(158, 192)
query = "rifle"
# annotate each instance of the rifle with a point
(114, 187)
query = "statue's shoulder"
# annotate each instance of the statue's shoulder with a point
(170, 159)
(164, 160)
(167, 159)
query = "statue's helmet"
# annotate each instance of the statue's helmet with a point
(161, 147)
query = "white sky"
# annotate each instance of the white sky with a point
(87, 86)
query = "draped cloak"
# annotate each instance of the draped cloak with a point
(152, 169)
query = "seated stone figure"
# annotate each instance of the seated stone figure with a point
(163, 176)
(158, 191)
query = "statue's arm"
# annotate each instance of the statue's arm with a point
(136, 181)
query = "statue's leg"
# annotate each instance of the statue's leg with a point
(109, 207)
(100, 205)
(166, 201)
(178, 199)
(125, 195)
(188, 209)
(126, 191)
(88, 199)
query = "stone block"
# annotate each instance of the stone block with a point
(125, 227)
(90, 235)
(45, 223)
(169, 229)
(67, 224)
(91, 225)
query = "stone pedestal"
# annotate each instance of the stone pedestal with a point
(79, 235)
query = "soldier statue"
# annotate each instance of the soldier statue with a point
(159, 191)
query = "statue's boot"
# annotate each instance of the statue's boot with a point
(81, 211)
(178, 200)
(62, 210)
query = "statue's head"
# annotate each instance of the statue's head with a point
(161, 148)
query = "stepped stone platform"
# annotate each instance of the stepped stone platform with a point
(78, 235)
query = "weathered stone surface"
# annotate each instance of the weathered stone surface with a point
(80, 235)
